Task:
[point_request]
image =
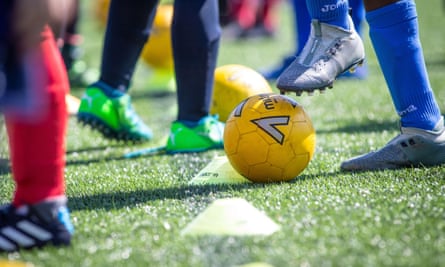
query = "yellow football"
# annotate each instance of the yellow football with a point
(269, 138)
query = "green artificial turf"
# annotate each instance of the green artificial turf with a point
(130, 212)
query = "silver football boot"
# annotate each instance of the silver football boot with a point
(412, 148)
(329, 51)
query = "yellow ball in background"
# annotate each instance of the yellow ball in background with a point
(101, 11)
(269, 138)
(157, 51)
(233, 84)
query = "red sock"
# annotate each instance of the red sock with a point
(37, 144)
(246, 13)
(268, 15)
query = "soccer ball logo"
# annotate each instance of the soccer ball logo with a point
(269, 138)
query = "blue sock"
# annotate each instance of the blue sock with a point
(108, 90)
(357, 15)
(394, 33)
(190, 124)
(334, 12)
(302, 24)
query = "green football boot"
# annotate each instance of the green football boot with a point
(208, 134)
(115, 117)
